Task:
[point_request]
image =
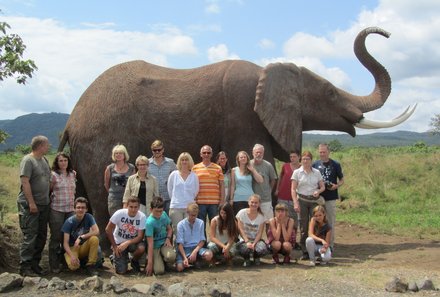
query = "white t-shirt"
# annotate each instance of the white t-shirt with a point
(250, 226)
(127, 227)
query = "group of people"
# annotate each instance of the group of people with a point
(161, 208)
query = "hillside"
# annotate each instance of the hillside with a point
(23, 128)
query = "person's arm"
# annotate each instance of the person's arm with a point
(275, 228)
(287, 230)
(320, 190)
(212, 234)
(182, 252)
(94, 231)
(279, 181)
(222, 191)
(243, 235)
(257, 176)
(52, 182)
(193, 256)
(107, 179)
(155, 187)
(232, 186)
(293, 187)
(27, 190)
(259, 235)
(170, 185)
(127, 193)
(312, 232)
(109, 229)
(149, 268)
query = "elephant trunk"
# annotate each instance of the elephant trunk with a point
(382, 79)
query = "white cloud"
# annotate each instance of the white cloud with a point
(69, 60)
(219, 53)
(266, 43)
(212, 7)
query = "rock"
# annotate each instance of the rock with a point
(220, 291)
(427, 285)
(43, 283)
(177, 290)
(93, 283)
(396, 285)
(31, 281)
(157, 289)
(56, 284)
(117, 285)
(140, 288)
(10, 281)
(412, 286)
(195, 291)
(71, 285)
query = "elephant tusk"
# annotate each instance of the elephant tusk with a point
(370, 124)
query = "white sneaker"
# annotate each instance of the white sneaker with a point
(312, 264)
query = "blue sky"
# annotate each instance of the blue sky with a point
(74, 42)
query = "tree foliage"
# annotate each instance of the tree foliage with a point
(11, 57)
(435, 124)
(3, 136)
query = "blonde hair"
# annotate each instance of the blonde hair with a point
(259, 202)
(120, 148)
(156, 143)
(141, 158)
(192, 208)
(185, 155)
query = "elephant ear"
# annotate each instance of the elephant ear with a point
(278, 104)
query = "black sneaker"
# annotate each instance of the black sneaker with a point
(305, 256)
(91, 270)
(135, 266)
(38, 270)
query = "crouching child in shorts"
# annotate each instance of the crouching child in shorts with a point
(125, 230)
(159, 232)
(190, 239)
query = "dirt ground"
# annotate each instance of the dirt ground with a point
(363, 262)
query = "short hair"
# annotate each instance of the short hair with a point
(294, 152)
(257, 146)
(156, 143)
(37, 141)
(324, 145)
(141, 158)
(120, 148)
(192, 207)
(184, 155)
(133, 199)
(307, 154)
(206, 147)
(56, 167)
(81, 200)
(156, 202)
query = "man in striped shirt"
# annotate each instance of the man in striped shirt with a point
(211, 183)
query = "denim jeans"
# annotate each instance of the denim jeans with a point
(207, 209)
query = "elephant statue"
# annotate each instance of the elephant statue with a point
(230, 105)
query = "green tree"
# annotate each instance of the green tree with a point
(335, 145)
(11, 57)
(3, 136)
(435, 124)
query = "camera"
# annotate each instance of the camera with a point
(328, 185)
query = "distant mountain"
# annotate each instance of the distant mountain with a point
(398, 138)
(23, 128)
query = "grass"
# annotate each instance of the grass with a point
(393, 190)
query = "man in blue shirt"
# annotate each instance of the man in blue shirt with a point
(331, 172)
(159, 233)
(191, 239)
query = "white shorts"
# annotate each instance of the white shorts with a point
(267, 209)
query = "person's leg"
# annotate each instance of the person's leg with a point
(304, 224)
(261, 249)
(56, 221)
(311, 248)
(89, 250)
(325, 257)
(158, 265)
(276, 247)
(176, 215)
(330, 209)
(43, 219)
(166, 206)
(212, 211)
(121, 263)
(286, 249)
(205, 254)
(71, 266)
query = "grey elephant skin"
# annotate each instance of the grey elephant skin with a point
(229, 105)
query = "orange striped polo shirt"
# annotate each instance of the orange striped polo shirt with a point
(209, 178)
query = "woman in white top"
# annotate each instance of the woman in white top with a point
(183, 187)
(250, 226)
(307, 186)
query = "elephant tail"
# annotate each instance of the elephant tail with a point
(64, 139)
